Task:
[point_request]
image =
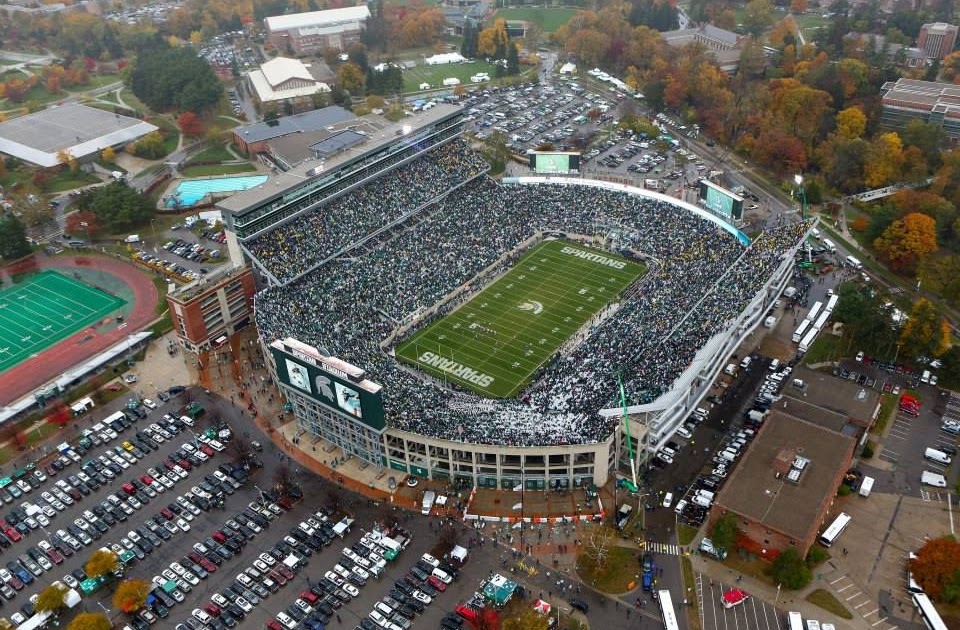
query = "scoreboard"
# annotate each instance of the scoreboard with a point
(330, 381)
(554, 162)
(720, 201)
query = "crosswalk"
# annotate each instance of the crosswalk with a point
(664, 548)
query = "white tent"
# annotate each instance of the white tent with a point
(568, 68)
(459, 553)
(445, 58)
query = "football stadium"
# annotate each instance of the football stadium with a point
(429, 319)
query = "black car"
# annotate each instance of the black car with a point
(579, 604)
(79, 575)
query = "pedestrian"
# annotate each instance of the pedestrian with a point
(338, 619)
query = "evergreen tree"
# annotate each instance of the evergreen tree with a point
(13, 238)
(513, 59)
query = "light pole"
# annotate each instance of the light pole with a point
(798, 179)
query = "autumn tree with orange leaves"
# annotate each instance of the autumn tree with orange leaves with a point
(937, 569)
(907, 241)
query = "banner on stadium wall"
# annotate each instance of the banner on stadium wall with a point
(330, 381)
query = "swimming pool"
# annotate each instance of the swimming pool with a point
(190, 192)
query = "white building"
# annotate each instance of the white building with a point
(316, 31)
(285, 80)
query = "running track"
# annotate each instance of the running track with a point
(49, 364)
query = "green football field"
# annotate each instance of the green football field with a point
(494, 343)
(44, 309)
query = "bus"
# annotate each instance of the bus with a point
(832, 303)
(666, 609)
(808, 340)
(836, 528)
(931, 618)
(814, 311)
(114, 417)
(794, 621)
(821, 321)
(801, 331)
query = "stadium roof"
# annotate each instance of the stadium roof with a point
(296, 177)
(81, 130)
(315, 120)
(316, 18)
(755, 490)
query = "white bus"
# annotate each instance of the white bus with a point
(836, 528)
(829, 245)
(931, 618)
(801, 330)
(832, 303)
(821, 321)
(666, 609)
(114, 417)
(855, 263)
(808, 340)
(814, 311)
(794, 621)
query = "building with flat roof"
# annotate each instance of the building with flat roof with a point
(316, 31)
(82, 131)
(937, 39)
(837, 404)
(909, 99)
(782, 489)
(721, 44)
(283, 81)
(206, 312)
(254, 138)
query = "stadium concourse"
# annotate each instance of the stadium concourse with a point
(703, 277)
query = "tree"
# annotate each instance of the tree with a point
(757, 16)
(167, 79)
(351, 78)
(151, 146)
(725, 532)
(32, 209)
(108, 155)
(907, 241)
(884, 160)
(936, 567)
(82, 222)
(597, 547)
(101, 562)
(131, 595)
(13, 238)
(526, 619)
(90, 621)
(791, 571)
(926, 332)
(496, 151)
(51, 599)
(375, 101)
(851, 123)
(116, 206)
(66, 159)
(190, 124)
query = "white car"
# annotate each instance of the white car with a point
(183, 525)
(219, 600)
(351, 590)
(268, 559)
(286, 621)
(201, 616)
(70, 581)
(170, 575)
(244, 605)
(149, 404)
(423, 597)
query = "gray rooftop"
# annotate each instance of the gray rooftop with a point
(314, 120)
(81, 130)
(296, 177)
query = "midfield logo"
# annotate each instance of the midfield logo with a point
(533, 306)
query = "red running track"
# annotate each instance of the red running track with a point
(90, 341)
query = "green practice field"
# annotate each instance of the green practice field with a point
(434, 75)
(494, 343)
(44, 309)
(547, 19)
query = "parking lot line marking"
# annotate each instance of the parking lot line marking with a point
(839, 579)
(881, 620)
(854, 596)
(870, 613)
(862, 604)
(840, 590)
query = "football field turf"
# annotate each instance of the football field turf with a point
(495, 343)
(44, 309)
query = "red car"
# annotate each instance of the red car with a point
(168, 464)
(219, 536)
(15, 583)
(208, 566)
(212, 609)
(167, 514)
(12, 534)
(285, 572)
(309, 596)
(185, 465)
(208, 451)
(273, 624)
(276, 577)
(55, 556)
(147, 479)
(437, 584)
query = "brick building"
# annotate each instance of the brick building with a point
(316, 31)
(205, 313)
(909, 99)
(937, 40)
(782, 490)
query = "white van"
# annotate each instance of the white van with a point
(729, 455)
(706, 494)
(681, 504)
(746, 362)
(442, 575)
(933, 479)
(774, 365)
(937, 456)
(668, 499)
(730, 370)
(702, 501)
(866, 486)
(925, 378)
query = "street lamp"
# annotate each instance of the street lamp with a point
(798, 179)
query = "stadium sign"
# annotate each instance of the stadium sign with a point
(458, 370)
(597, 258)
(330, 381)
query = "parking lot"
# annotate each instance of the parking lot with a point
(752, 614)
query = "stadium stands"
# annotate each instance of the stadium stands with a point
(702, 279)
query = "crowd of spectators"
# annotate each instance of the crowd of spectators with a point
(703, 279)
(312, 237)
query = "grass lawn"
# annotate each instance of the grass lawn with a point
(216, 153)
(621, 569)
(207, 170)
(434, 75)
(888, 405)
(827, 347)
(829, 603)
(810, 24)
(686, 534)
(171, 134)
(494, 343)
(65, 180)
(690, 583)
(549, 19)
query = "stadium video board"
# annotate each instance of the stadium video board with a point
(330, 381)
(721, 201)
(554, 162)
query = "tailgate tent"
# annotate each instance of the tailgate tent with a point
(459, 554)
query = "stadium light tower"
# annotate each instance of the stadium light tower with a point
(798, 179)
